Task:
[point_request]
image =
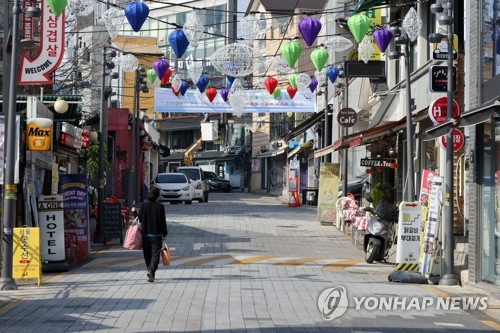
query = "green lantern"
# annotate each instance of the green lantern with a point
(319, 57)
(291, 52)
(151, 75)
(57, 6)
(359, 25)
(292, 78)
(277, 93)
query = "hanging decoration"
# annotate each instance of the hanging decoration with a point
(136, 13)
(57, 6)
(178, 42)
(313, 84)
(291, 52)
(183, 88)
(291, 92)
(202, 83)
(229, 81)
(365, 49)
(358, 25)
(234, 60)
(193, 28)
(81, 7)
(224, 94)
(166, 77)
(151, 74)
(261, 82)
(277, 93)
(338, 44)
(176, 93)
(129, 62)
(211, 93)
(195, 69)
(309, 28)
(238, 98)
(382, 38)
(332, 73)
(271, 83)
(292, 78)
(319, 57)
(303, 81)
(278, 64)
(320, 77)
(113, 20)
(250, 27)
(412, 24)
(160, 67)
(176, 82)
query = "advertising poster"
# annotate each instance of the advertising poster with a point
(425, 192)
(26, 262)
(74, 191)
(328, 192)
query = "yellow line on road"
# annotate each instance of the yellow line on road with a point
(171, 260)
(435, 291)
(11, 305)
(491, 324)
(251, 260)
(112, 263)
(205, 261)
(296, 262)
(341, 264)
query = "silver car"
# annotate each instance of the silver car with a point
(174, 188)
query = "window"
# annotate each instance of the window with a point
(491, 39)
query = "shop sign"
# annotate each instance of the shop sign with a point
(27, 22)
(39, 132)
(26, 262)
(72, 136)
(458, 140)
(408, 245)
(438, 76)
(438, 110)
(440, 50)
(376, 162)
(347, 117)
(51, 219)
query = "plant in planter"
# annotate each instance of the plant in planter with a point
(383, 191)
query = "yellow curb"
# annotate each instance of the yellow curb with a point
(342, 264)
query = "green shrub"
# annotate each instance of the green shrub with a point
(383, 191)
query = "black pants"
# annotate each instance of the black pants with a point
(151, 248)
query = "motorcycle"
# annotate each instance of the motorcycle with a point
(380, 231)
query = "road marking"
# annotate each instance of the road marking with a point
(491, 324)
(205, 260)
(342, 264)
(296, 262)
(11, 305)
(112, 263)
(251, 260)
(449, 324)
(435, 291)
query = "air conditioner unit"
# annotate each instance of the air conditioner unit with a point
(275, 145)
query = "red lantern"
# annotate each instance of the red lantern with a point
(176, 93)
(271, 83)
(291, 91)
(380, 169)
(211, 93)
(393, 166)
(368, 171)
(166, 77)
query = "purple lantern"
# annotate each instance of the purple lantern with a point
(313, 84)
(224, 93)
(309, 27)
(136, 13)
(184, 87)
(160, 67)
(178, 42)
(382, 38)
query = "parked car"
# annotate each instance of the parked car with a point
(217, 183)
(355, 187)
(199, 181)
(174, 187)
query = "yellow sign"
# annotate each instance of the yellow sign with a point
(26, 263)
(375, 15)
(440, 50)
(39, 132)
(328, 191)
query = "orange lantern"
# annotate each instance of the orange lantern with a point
(393, 166)
(380, 169)
(368, 171)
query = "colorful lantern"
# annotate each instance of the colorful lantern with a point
(313, 84)
(277, 93)
(151, 75)
(178, 42)
(184, 87)
(211, 93)
(393, 165)
(224, 93)
(291, 92)
(368, 171)
(176, 93)
(193, 28)
(57, 6)
(382, 38)
(136, 13)
(319, 57)
(380, 169)
(303, 81)
(291, 52)
(358, 25)
(271, 83)
(176, 82)
(292, 78)
(309, 27)
(231, 78)
(289, 114)
(160, 67)
(166, 77)
(202, 83)
(332, 73)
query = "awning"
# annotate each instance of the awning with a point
(304, 126)
(300, 148)
(271, 153)
(369, 4)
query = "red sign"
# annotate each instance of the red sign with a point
(51, 51)
(458, 140)
(438, 110)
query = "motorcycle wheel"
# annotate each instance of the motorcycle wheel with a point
(371, 252)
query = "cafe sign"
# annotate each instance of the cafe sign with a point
(376, 162)
(347, 117)
(39, 132)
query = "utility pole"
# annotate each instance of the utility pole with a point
(130, 196)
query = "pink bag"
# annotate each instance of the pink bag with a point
(133, 237)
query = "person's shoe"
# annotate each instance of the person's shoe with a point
(151, 277)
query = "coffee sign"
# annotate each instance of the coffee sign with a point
(369, 162)
(39, 134)
(347, 117)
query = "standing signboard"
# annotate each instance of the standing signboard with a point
(112, 223)
(26, 263)
(408, 245)
(51, 219)
(328, 192)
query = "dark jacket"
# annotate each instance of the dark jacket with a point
(152, 217)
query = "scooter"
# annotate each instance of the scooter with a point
(380, 231)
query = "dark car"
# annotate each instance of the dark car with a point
(217, 183)
(355, 187)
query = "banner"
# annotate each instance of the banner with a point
(26, 262)
(260, 101)
(425, 192)
(408, 244)
(328, 192)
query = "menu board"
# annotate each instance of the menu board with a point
(112, 220)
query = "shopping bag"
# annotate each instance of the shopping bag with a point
(133, 237)
(165, 254)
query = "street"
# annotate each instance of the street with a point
(241, 263)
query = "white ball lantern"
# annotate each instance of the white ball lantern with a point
(61, 106)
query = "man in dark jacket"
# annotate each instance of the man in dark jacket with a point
(154, 231)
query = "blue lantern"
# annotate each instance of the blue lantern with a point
(178, 42)
(332, 73)
(229, 81)
(202, 83)
(184, 87)
(136, 13)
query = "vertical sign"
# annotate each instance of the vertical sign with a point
(51, 219)
(408, 236)
(328, 192)
(26, 263)
(27, 22)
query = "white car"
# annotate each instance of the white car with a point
(200, 184)
(174, 187)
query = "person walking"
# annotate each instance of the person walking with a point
(154, 231)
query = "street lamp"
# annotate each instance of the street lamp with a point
(445, 11)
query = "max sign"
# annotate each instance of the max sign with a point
(50, 54)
